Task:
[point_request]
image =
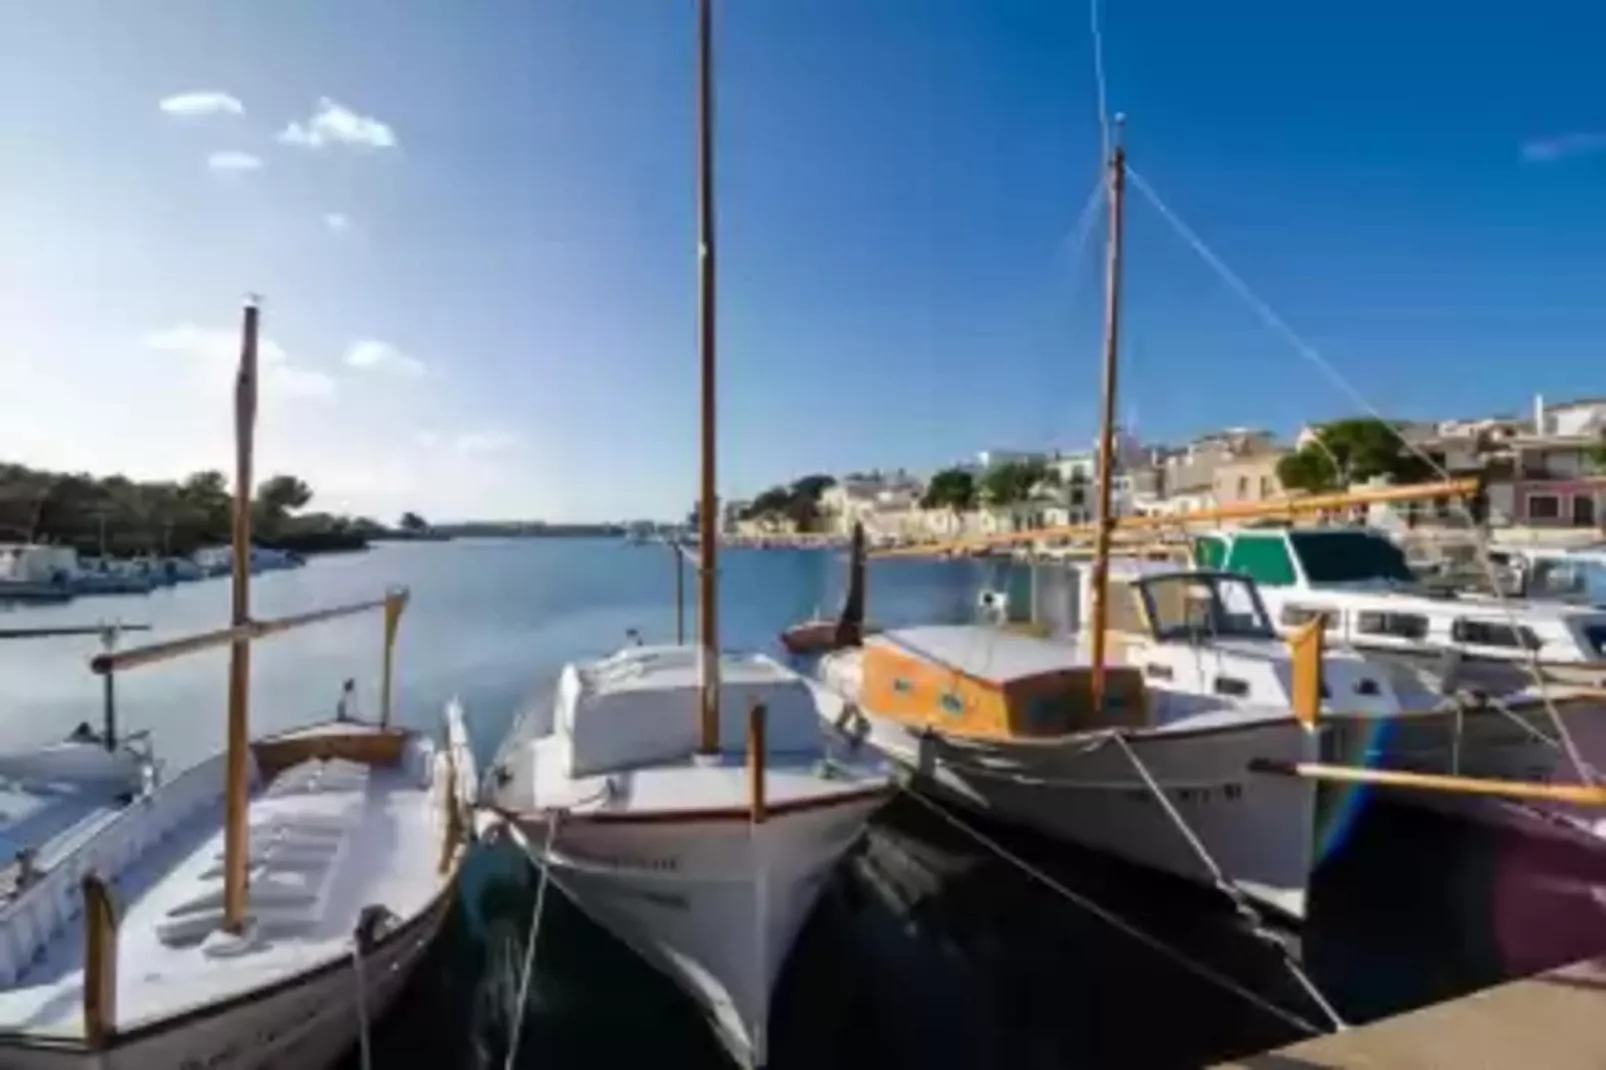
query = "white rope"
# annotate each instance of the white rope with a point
(1098, 79)
(1230, 888)
(365, 1054)
(529, 946)
(1192, 965)
(1310, 354)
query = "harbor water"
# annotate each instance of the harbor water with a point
(930, 949)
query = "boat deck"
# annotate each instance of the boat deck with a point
(1556, 1020)
(327, 839)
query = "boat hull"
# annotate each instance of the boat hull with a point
(713, 901)
(308, 1021)
(1086, 790)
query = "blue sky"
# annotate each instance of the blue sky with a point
(473, 225)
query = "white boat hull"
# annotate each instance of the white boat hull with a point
(713, 901)
(309, 1021)
(1260, 830)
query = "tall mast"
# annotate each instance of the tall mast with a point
(708, 505)
(1104, 522)
(235, 844)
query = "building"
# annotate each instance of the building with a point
(869, 499)
(1248, 479)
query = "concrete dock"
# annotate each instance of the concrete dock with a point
(1552, 1021)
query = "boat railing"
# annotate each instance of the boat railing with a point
(110, 662)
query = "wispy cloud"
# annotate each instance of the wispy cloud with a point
(1564, 146)
(335, 124)
(483, 442)
(216, 351)
(202, 102)
(339, 222)
(370, 353)
(231, 162)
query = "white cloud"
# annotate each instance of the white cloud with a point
(382, 356)
(336, 124)
(216, 351)
(339, 222)
(483, 442)
(1552, 149)
(201, 102)
(427, 439)
(232, 162)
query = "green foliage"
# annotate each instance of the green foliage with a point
(952, 488)
(413, 522)
(1596, 456)
(1363, 447)
(799, 502)
(149, 517)
(1012, 482)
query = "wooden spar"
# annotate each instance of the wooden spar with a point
(1306, 646)
(136, 657)
(73, 629)
(236, 847)
(680, 595)
(1292, 507)
(756, 753)
(1099, 616)
(395, 602)
(1576, 794)
(100, 964)
(708, 503)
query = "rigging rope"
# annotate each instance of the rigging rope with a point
(1270, 318)
(535, 933)
(1098, 79)
(1240, 901)
(1188, 963)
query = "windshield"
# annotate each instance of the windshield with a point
(1572, 577)
(1200, 607)
(1349, 557)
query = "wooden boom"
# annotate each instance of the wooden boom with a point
(1315, 503)
(135, 657)
(1577, 794)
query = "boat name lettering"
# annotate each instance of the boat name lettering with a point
(666, 864)
(1231, 792)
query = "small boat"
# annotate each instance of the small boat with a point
(31, 572)
(685, 797)
(259, 909)
(821, 635)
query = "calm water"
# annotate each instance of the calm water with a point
(927, 951)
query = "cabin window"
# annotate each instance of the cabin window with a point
(1493, 633)
(1159, 672)
(1048, 714)
(1293, 616)
(1124, 613)
(1366, 687)
(1231, 685)
(951, 703)
(1595, 636)
(1398, 625)
(1349, 556)
(1197, 607)
(1263, 558)
(902, 685)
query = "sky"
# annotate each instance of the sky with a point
(472, 226)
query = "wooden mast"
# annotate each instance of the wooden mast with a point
(1104, 522)
(235, 845)
(708, 505)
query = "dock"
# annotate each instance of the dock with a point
(1554, 1020)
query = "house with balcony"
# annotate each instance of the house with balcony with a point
(1549, 473)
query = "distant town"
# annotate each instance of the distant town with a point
(1545, 469)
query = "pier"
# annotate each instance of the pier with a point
(1556, 1020)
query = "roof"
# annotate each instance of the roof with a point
(984, 653)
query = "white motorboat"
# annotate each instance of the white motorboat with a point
(686, 797)
(259, 909)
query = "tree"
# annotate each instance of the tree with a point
(1362, 447)
(1596, 456)
(1012, 482)
(952, 488)
(283, 494)
(412, 522)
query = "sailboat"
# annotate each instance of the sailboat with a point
(687, 797)
(823, 634)
(261, 908)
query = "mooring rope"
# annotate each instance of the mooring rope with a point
(529, 946)
(1187, 962)
(1241, 903)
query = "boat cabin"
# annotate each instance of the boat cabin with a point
(1358, 582)
(985, 682)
